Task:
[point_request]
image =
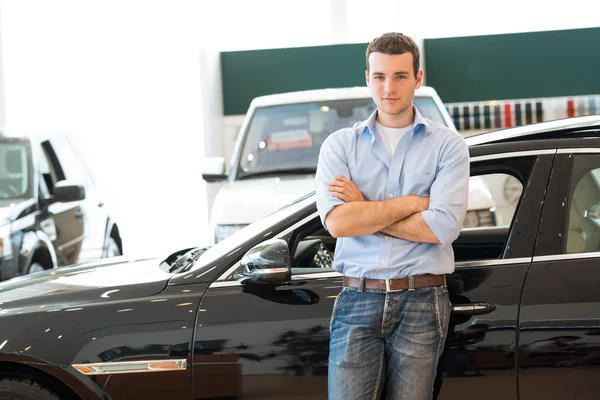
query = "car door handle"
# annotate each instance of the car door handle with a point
(473, 308)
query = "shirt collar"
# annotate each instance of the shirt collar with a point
(369, 124)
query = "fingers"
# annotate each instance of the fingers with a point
(342, 196)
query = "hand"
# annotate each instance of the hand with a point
(343, 188)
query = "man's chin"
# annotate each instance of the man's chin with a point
(394, 111)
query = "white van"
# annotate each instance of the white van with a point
(276, 152)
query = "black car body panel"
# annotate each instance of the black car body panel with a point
(525, 320)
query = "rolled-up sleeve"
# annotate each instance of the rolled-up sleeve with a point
(332, 162)
(449, 194)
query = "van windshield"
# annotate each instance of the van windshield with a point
(14, 170)
(286, 139)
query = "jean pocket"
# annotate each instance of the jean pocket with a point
(335, 307)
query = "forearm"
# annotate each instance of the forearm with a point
(413, 228)
(360, 218)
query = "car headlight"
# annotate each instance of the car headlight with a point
(224, 231)
(476, 218)
(5, 242)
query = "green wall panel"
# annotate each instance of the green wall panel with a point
(513, 66)
(247, 74)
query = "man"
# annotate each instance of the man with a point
(394, 190)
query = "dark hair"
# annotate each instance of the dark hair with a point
(394, 43)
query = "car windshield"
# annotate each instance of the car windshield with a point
(287, 138)
(14, 170)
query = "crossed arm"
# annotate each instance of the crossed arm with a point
(400, 217)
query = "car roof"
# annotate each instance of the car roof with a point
(12, 137)
(557, 129)
(304, 96)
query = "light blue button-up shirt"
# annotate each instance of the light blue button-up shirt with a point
(430, 160)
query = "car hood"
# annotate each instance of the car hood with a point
(246, 201)
(10, 209)
(4, 216)
(113, 279)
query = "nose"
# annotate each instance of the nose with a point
(389, 86)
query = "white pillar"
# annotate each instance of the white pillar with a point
(2, 106)
(339, 21)
(212, 115)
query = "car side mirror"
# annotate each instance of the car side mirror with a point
(266, 263)
(65, 191)
(213, 169)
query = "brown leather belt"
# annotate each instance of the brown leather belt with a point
(396, 284)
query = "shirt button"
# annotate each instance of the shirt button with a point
(383, 262)
(386, 238)
(391, 195)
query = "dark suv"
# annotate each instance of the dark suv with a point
(50, 212)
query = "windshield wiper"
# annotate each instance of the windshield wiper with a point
(275, 172)
(186, 261)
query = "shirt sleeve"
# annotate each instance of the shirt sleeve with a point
(449, 194)
(332, 162)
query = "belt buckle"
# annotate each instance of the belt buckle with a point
(388, 287)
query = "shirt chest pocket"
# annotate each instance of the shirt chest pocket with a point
(416, 183)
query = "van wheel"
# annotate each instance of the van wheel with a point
(112, 248)
(35, 267)
(17, 388)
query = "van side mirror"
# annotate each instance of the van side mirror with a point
(266, 263)
(65, 191)
(213, 169)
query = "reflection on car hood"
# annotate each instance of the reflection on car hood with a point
(5, 214)
(246, 201)
(113, 279)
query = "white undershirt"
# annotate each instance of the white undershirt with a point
(391, 136)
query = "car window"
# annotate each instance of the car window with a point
(14, 171)
(583, 225)
(288, 137)
(72, 165)
(493, 200)
(485, 235)
(49, 167)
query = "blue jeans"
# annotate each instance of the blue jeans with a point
(390, 339)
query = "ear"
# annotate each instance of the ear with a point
(367, 77)
(419, 81)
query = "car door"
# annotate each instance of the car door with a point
(93, 214)
(62, 222)
(559, 343)
(273, 342)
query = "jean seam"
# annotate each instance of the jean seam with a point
(437, 311)
(380, 373)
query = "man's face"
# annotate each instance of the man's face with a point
(392, 81)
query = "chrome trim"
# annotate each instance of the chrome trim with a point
(131, 367)
(331, 274)
(512, 155)
(269, 271)
(220, 284)
(585, 150)
(489, 263)
(573, 256)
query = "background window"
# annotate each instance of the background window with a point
(583, 228)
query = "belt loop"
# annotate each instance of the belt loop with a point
(411, 283)
(445, 283)
(361, 285)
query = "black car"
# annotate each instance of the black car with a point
(51, 214)
(249, 317)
